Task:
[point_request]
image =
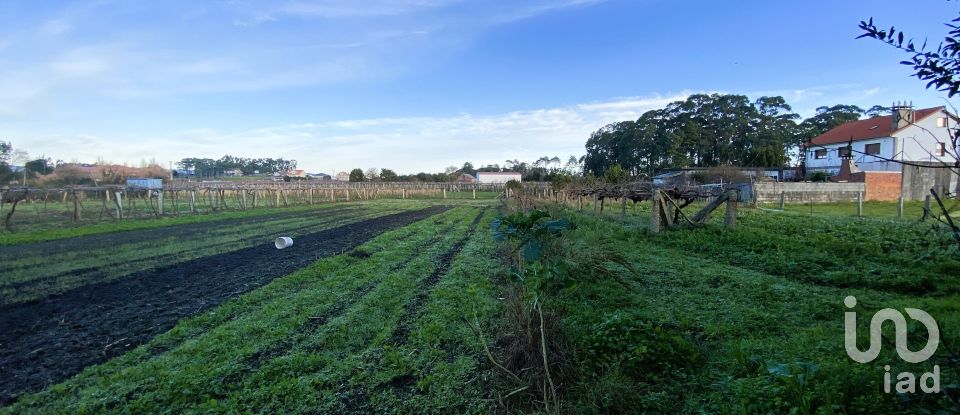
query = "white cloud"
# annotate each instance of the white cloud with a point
(407, 144)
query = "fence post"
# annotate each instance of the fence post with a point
(76, 206)
(474, 192)
(730, 220)
(193, 201)
(926, 208)
(859, 204)
(783, 197)
(900, 207)
(160, 201)
(655, 212)
(118, 199)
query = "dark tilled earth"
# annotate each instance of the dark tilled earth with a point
(101, 240)
(44, 342)
(49, 283)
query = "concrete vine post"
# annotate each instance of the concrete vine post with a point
(860, 204)
(730, 220)
(118, 199)
(655, 217)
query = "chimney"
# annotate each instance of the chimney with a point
(903, 114)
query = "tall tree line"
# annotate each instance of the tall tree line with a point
(711, 130)
(211, 167)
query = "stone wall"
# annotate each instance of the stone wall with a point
(806, 192)
(917, 181)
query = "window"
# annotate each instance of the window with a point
(942, 122)
(872, 149)
(820, 154)
(941, 150)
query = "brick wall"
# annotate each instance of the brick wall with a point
(881, 185)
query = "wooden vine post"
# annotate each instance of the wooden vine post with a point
(76, 206)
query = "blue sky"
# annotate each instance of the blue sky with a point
(416, 84)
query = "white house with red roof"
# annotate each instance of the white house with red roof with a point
(904, 135)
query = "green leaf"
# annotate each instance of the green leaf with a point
(532, 250)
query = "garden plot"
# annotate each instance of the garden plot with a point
(46, 340)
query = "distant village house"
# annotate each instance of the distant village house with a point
(497, 177)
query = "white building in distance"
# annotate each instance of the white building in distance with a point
(497, 177)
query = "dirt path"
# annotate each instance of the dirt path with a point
(46, 341)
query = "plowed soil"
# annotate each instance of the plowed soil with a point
(46, 341)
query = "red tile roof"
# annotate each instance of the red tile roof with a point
(875, 127)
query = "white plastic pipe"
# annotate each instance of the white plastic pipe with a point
(283, 242)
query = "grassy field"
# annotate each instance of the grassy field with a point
(710, 320)
(912, 210)
(604, 317)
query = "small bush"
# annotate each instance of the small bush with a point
(819, 176)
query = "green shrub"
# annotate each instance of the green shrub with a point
(638, 349)
(819, 176)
